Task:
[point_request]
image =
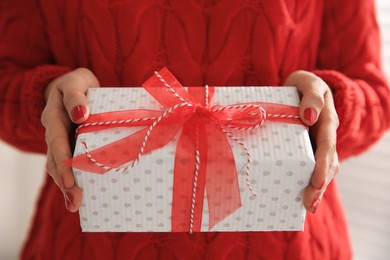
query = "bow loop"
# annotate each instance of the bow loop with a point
(167, 90)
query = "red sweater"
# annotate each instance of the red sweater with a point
(224, 42)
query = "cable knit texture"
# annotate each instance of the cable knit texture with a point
(218, 42)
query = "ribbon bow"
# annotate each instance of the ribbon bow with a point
(204, 160)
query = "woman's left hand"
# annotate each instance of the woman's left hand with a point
(317, 111)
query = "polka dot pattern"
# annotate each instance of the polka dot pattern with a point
(140, 198)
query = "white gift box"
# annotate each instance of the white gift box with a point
(140, 199)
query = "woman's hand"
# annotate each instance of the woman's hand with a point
(66, 103)
(317, 111)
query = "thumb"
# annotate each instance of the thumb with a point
(74, 94)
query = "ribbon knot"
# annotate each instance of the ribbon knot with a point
(201, 110)
(202, 149)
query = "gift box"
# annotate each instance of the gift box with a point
(164, 158)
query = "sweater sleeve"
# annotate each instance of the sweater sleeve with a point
(26, 67)
(350, 63)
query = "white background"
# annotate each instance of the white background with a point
(364, 185)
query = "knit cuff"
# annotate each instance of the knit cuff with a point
(343, 96)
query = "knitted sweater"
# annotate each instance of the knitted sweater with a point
(219, 42)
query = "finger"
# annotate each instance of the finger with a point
(72, 195)
(74, 90)
(52, 169)
(65, 179)
(312, 90)
(57, 126)
(61, 152)
(336, 164)
(323, 159)
(326, 161)
(76, 105)
(326, 147)
(73, 199)
(333, 169)
(311, 105)
(312, 198)
(326, 137)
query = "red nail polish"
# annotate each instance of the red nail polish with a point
(316, 205)
(78, 113)
(315, 199)
(310, 115)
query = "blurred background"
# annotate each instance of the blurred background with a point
(364, 184)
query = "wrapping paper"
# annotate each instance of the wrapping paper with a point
(140, 198)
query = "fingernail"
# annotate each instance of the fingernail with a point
(66, 202)
(67, 205)
(310, 115)
(321, 186)
(69, 197)
(315, 199)
(78, 113)
(316, 205)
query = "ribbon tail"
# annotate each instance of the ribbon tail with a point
(125, 150)
(279, 112)
(222, 187)
(188, 192)
(114, 119)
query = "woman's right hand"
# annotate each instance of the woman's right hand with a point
(66, 103)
